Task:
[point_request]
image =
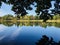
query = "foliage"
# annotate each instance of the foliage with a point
(8, 17)
(56, 17)
(20, 6)
(28, 17)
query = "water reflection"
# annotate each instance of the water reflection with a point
(28, 33)
(7, 23)
(42, 24)
(47, 41)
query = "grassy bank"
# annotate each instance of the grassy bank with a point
(38, 20)
(53, 21)
(32, 20)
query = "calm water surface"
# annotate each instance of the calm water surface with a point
(27, 35)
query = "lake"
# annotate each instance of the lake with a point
(23, 33)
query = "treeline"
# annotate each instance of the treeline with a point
(26, 17)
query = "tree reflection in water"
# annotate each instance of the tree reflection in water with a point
(43, 41)
(47, 41)
(42, 24)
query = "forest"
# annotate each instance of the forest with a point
(27, 17)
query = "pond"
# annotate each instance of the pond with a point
(21, 33)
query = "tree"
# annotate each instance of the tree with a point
(36, 17)
(56, 17)
(8, 17)
(20, 6)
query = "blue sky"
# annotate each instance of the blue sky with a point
(6, 9)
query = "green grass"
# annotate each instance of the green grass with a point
(32, 20)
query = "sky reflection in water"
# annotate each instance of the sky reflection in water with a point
(27, 35)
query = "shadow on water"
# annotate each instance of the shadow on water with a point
(43, 41)
(47, 41)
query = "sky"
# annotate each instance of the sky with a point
(6, 9)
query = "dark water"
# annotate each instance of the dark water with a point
(27, 33)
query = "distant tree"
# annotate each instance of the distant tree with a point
(8, 17)
(20, 6)
(56, 17)
(26, 17)
(0, 17)
(36, 17)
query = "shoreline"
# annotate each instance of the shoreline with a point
(31, 20)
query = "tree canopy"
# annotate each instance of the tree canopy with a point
(42, 6)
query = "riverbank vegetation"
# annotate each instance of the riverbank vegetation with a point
(31, 18)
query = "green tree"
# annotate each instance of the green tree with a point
(20, 6)
(56, 17)
(36, 17)
(8, 17)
